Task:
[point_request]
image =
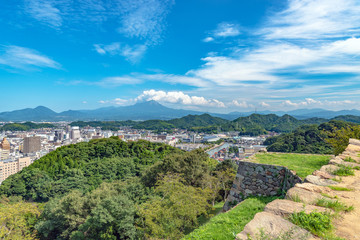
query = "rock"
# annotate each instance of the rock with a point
(319, 181)
(273, 226)
(329, 168)
(336, 160)
(302, 195)
(324, 175)
(284, 208)
(353, 148)
(313, 188)
(354, 141)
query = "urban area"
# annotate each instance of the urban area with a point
(19, 149)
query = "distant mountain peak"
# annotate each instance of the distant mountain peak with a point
(149, 103)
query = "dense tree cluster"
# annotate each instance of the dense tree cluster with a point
(25, 126)
(327, 138)
(111, 189)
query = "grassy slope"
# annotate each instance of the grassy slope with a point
(226, 225)
(302, 164)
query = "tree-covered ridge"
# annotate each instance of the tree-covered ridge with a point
(327, 138)
(83, 166)
(111, 189)
(25, 126)
(254, 124)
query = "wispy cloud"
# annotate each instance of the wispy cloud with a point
(137, 78)
(44, 11)
(132, 54)
(227, 30)
(223, 30)
(308, 50)
(308, 19)
(25, 58)
(144, 19)
(309, 102)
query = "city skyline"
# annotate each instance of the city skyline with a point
(217, 56)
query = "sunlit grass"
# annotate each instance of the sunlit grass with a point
(302, 164)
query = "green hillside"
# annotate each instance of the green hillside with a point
(111, 189)
(327, 138)
(25, 126)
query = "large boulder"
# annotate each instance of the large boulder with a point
(272, 226)
(301, 195)
(319, 181)
(354, 141)
(353, 148)
(330, 168)
(324, 175)
(314, 188)
(284, 207)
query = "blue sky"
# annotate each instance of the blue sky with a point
(209, 55)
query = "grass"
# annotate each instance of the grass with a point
(337, 188)
(302, 164)
(225, 226)
(215, 210)
(295, 198)
(335, 205)
(337, 179)
(344, 170)
(328, 196)
(319, 224)
(349, 159)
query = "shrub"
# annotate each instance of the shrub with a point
(344, 171)
(315, 222)
(336, 205)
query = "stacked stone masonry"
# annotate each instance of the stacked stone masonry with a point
(253, 179)
(273, 221)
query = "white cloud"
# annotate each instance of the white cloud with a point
(242, 104)
(131, 53)
(227, 30)
(84, 102)
(25, 58)
(264, 104)
(179, 98)
(208, 39)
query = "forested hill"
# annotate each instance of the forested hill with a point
(111, 189)
(327, 138)
(83, 166)
(254, 124)
(25, 126)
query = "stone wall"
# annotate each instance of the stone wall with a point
(253, 179)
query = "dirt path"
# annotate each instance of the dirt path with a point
(348, 226)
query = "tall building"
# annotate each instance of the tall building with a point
(32, 144)
(9, 167)
(75, 133)
(5, 145)
(4, 149)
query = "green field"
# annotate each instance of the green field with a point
(302, 164)
(226, 225)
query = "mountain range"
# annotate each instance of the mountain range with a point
(150, 110)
